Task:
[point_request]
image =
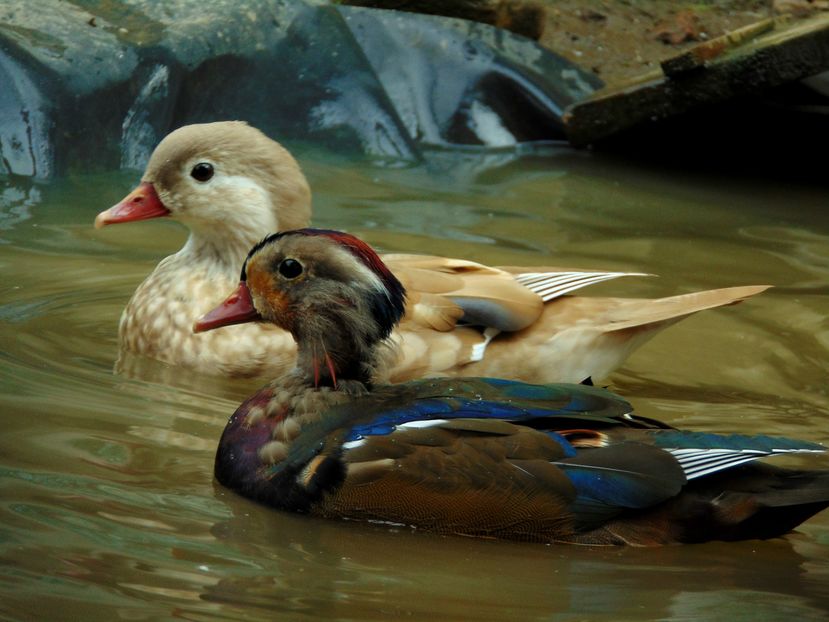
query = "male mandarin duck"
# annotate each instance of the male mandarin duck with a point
(231, 185)
(473, 456)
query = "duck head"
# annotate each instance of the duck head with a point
(225, 181)
(329, 289)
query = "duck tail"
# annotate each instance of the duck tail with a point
(755, 501)
(766, 502)
(663, 311)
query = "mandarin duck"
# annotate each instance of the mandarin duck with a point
(231, 185)
(496, 458)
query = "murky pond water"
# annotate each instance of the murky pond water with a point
(107, 505)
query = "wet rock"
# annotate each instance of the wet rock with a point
(93, 85)
(464, 83)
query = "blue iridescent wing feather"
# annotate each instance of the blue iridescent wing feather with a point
(624, 474)
(487, 398)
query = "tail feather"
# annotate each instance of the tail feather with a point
(755, 501)
(778, 487)
(744, 516)
(673, 308)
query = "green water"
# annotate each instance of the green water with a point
(108, 510)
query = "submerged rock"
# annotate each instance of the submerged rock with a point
(93, 85)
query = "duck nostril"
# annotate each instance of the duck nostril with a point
(138, 199)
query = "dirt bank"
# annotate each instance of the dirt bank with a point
(621, 39)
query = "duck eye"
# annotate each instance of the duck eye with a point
(290, 268)
(203, 171)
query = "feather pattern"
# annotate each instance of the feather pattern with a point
(702, 462)
(428, 401)
(702, 454)
(550, 285)
(436, 440)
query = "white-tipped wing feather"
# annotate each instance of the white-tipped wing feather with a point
(700, 462)
(551, 285)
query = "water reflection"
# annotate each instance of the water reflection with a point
(805, 252)
(107, 504)
(16, 203)
(346, 571)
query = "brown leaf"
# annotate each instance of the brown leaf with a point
(683, 27)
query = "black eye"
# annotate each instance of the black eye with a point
(290, 268)
(202, 171)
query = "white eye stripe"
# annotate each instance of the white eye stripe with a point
(236, 201)
(237, 182)
(365, 274)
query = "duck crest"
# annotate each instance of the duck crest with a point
(389, 311)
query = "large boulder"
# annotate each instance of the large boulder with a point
(95, 85)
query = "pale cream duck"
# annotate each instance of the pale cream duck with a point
(231, 186)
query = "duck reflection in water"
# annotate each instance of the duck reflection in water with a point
(370, 571)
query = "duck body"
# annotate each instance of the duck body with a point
(503, 459)
(231, 185)
(482, 457)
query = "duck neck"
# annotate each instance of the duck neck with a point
(223, 253)
(340, 356)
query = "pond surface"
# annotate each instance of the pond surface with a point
(108, 509)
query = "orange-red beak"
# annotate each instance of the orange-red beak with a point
(140, 204)
(236, 309)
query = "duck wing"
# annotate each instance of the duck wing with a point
(443, 292)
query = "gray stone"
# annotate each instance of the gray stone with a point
(95, 85)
